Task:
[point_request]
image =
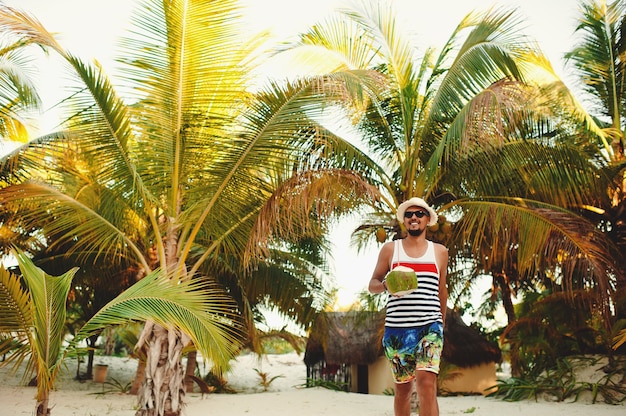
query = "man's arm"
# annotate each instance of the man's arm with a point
(381, 269)
(441, 255)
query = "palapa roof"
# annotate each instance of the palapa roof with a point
(465, 346)
(355, 337)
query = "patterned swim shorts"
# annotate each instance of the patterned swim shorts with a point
(411, 349)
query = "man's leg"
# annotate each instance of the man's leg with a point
(402, 399)
(427, 393)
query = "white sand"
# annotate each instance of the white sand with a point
(285, 396)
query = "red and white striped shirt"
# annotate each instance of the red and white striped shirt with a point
(422, 306)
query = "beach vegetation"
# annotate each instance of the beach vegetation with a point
(599, 65)
(327, 384)
(218, 383)
(114, 385)
(486, 131)
(33, 313)
(185, 163)
(284, 343)
(184, 167)
(563, 382)
(265, 380)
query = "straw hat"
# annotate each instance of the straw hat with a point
(416, 202)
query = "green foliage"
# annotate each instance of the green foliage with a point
(276, 341)
(115, 386)
(327, 384)
(265, 379)
(551, 326)
(34, 314)
(389, 392)
(279, 345)
(371, 302)
(560, 383)
(126, 337)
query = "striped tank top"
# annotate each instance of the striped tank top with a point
(420, 307)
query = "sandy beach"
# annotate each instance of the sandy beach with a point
(285, 395)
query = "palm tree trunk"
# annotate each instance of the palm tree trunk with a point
(162, 391)
(42, 408)
(501, 280)
(190, 370)
(140, 375)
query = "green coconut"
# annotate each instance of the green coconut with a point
(401, 280)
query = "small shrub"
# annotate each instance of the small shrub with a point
(219, 383)
(327, 384)
(114, 386)
(265, 379)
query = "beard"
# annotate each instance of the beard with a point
(415, 233)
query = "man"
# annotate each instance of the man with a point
(413, 339)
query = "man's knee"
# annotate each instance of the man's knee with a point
(404, 390)
(426, 381)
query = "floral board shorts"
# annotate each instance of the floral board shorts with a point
(411, 349)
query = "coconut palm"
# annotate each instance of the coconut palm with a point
(33, 315)
(599, 63)
(189, 172)
(598, 59)
(485, 131)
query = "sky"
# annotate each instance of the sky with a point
(91, 28)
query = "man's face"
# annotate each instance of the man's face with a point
(415, 220)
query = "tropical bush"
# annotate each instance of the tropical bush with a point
(561, 382)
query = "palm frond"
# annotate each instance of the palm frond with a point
(69, 220)
(378, 20)
(557, 100)
(48, 295)
(543, 238)
(16, 320)
(201, 311)
(300, 202)
(18, 94)
(490, 53)
(598, 54)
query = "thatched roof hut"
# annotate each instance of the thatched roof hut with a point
(345, 338)
(464, 346)
(355, 338)
(345, 348)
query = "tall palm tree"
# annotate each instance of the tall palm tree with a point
(188, 170)
(599, 62)
(485, 131)
(598, 59)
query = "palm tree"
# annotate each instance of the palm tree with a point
(486, 132)
(33, 316)
(189, 172)
(599, 62)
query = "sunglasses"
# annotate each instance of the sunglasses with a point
(418, 214)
